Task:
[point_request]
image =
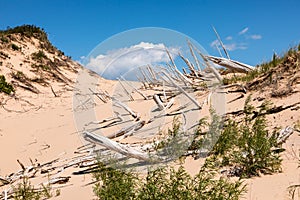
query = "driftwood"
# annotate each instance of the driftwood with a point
(160, 103)
(115, 146)
(135, 89)
(52, 90)
(99, 96)
(284, 134)
(58, 180)
(126, 91)
(221, 43)
(233, 65)
(194, 56)
(131, 112)
(128, 130)
(183, 91)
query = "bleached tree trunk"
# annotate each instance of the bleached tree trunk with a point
(115, 146)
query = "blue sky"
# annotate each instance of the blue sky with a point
(252, 30)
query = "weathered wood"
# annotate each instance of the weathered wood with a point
(160, 103)
(134, 88)
(115, 146)
(52, 90)
(194, 56)
(126, 91)
(233, 65)
(127, 130)
(132, 113)
(223, 46)
(190, 65)
(183, 91)
(99, 96)
(284, 134)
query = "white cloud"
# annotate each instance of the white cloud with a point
(119, 61)
(215, 43)
(229, 46)
(235, 46)
(243, 31)
(228, 38)
(255, 37)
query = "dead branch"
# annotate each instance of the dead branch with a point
(52, 90)
(132, 113)
(128, 130)
(135, 89)
(183, 91)
(126, 91)
(115, 146)
(284, 134)
(194, 56)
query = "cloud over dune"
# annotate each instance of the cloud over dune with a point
(119, 61)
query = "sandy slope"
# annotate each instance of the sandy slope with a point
(26, 135)
(42, 128)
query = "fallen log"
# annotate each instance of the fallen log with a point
(115, 146)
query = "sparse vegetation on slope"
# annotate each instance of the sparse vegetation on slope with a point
(25, 190)
(281, 73)
(28, 31)
(4, 86)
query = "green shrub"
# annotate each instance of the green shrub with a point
(19, 75)
(25, 190)
(175, 142)
(15, 47)
(163, 183)
(38, 55)
(4, 39)
(248, 145)
(114, 184)
(4, 86)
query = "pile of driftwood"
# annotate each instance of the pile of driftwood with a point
(52, 173)
(161, 85)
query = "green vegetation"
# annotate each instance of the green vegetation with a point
(15, 47)
(19, 76)
(4, 39)
(39, 55)
(4, 86)
(247, 144)
(25, 190)
(290, 58)
(42, 67)
(163, 183)
(28, 31)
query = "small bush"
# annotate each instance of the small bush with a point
(4, 86)
(15, 47)
(4, 39)
(163, 183)
(248, 145)
(115, 184)
(19, 76)
(25, 190)
(38, 55)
